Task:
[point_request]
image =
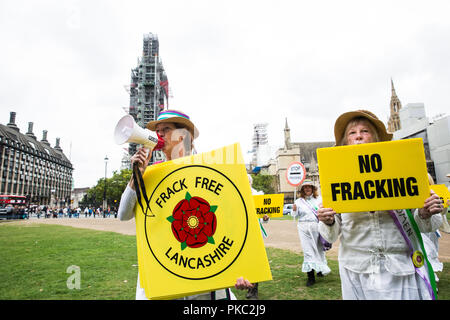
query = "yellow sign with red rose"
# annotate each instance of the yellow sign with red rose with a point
(201, 232)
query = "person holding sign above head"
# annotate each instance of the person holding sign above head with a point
(176, 134)
(375, 259)
(305, 208)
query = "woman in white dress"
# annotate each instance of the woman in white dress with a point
(305, 208)
(375, 260)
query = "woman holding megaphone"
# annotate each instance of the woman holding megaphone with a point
(176, 134)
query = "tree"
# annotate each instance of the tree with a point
(114, 189)
(264, 182)
(116, 185)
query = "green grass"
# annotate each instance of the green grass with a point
(34, 259)
(289, 281)
(284, 217)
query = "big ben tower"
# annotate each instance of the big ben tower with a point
(396, 105)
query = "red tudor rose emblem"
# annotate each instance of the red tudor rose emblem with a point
(193, 222)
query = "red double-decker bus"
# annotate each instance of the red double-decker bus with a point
(13, 200)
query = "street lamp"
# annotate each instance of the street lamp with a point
(104, 190)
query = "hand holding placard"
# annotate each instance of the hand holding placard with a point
(326, 215)
(432, 206)
(443, 193)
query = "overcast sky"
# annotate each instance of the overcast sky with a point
(230, 64)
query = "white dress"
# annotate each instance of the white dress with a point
(431, 244)
(374, 261)
(307, 226)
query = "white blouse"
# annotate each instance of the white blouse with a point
(368, 238)
(304, 212)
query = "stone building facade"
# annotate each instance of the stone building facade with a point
(304, 152)
(33, 168)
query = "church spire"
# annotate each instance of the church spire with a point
(396, 105)
(394, 94)
(287, 136)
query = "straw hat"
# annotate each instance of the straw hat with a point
(345, 118)
(307, 182)
(174, 116)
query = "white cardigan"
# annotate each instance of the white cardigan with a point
(368, 237)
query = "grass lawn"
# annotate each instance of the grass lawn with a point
(289, 281)
(35, 258)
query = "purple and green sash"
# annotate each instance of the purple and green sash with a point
(404, 220)
(325, 244)
(263, 231)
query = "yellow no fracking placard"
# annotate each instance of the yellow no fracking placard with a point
(442, 191)
(374, 176)
(270, 204)
(201, 232)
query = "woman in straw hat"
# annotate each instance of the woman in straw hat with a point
(305, 208)
(176, 134)
(374, 254)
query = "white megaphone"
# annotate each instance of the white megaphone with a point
(127, 131)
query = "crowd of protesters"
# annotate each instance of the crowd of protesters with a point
(46, 212)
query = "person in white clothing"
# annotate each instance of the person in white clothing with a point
(177, 133)
(305, 209)
(374, 256)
